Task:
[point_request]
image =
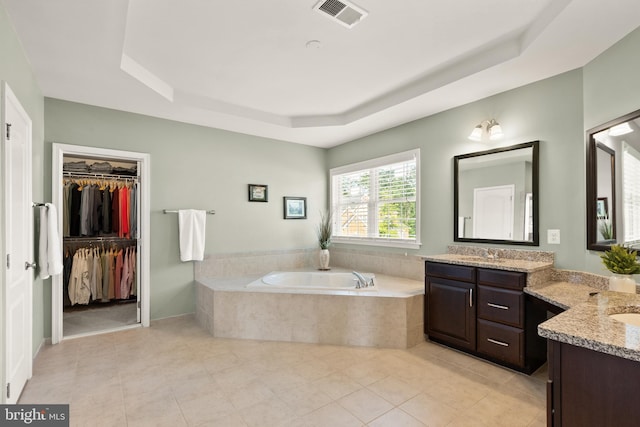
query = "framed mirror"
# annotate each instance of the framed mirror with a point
(613, 183)
(496, 196)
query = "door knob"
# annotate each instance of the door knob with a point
(28, 265)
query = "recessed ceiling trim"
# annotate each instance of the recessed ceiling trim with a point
(146, 77)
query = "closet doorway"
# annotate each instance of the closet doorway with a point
(102, 196)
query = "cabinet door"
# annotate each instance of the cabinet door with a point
(451, 312)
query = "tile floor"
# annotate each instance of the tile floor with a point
(175, 374)
(99, 318)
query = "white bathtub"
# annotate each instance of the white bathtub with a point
(316, 280)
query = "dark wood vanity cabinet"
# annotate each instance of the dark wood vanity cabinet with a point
(451, 316)
(587, 388)
(484, 312)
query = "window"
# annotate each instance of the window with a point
(377, 202)
(631, 194)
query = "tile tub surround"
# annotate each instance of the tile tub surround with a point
(227, 309)
(260, 263)
(588, 325)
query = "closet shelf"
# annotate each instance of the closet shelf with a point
(98, 239)
(93, 175)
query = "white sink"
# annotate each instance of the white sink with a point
(629, 318)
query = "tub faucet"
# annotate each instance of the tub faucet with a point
(362, 281)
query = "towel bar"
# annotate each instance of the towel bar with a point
(166, 211)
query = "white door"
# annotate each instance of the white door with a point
(18, 214)
(493, 212)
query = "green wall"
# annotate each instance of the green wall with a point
(201, 168)
(612, 82)
(549, 111)
(16, 71)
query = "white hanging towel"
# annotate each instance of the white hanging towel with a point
(50, 246)
(191, 227)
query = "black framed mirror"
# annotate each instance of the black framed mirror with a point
(496, 196)
(613, 183)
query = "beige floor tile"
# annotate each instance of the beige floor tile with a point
(174, 373)
(254, 393)
(312, 370)
(337, 385)
(233, 420)
(367, 372)
(394, 390)
(97, 417)
(465, 420)
(365, 404)
(332, 415)
(271, 412)
(168, 420)
(396, 418)
(505, 409)
(460, 390)
(208, 407)
(234, 378)
(429, 411)
(220, 362)
(305, 399)
(151, 405)
(533, 386)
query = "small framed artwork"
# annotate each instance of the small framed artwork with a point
(602, 207)
(258, 193)
(295, 208)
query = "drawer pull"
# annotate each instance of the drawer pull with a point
(501, 307)
(504, 344)
(470, 297)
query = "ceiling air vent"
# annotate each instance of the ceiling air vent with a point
(342, 12)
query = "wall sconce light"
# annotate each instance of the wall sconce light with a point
(491, 127)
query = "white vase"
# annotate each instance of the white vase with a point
(324, 259)
(622, 283)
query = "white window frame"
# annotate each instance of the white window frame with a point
(631, 193)
(371, 164)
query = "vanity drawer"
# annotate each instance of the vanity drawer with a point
(501, 342)
(503, 279)
(501, 305)
(450, 271)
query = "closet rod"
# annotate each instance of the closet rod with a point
(91, 175)
(166, 211)
(97, 239)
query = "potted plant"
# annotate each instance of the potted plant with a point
(623, 263)
(325, 228)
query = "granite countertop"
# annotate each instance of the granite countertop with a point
(562, 294)
(588, 324)
(522, 265)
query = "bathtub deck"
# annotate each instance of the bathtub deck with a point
(390, 317)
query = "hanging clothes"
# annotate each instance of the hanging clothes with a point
(123, 198)
(75, 196)
(98, 274)
(133, 216)
(79, 286)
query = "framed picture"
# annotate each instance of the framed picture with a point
(602, 208)
(295, 208)
(258, 193)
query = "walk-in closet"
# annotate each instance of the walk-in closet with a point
(103, 199)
